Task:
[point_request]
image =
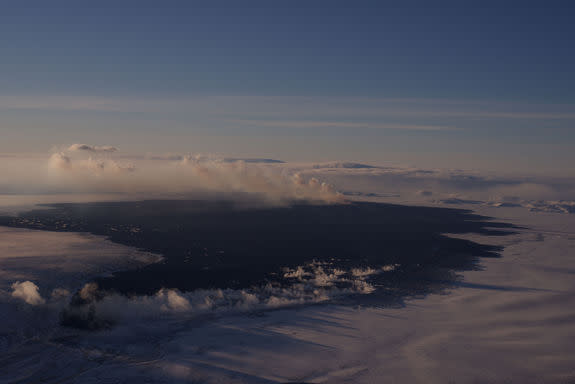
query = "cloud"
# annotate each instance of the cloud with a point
(551, 206)
(342, 124)
(101, 165)
(239, 176)
(313, 282)
(177, 175)
(173, 301)
(28, 292)
(405, 184)
(274, 182)
(60, 160)
(92, 148)
(66, 162)
(254, 160)
(59, 293)
(279, 109)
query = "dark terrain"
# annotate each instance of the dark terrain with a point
(220, 244)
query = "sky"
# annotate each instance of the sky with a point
(486, 85)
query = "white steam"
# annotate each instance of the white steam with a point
(74, 171)
(60, 160)
(28, 292)
(59, 293)
(309, 284)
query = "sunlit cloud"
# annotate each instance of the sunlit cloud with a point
(28, 292)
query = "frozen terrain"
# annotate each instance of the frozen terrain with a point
(512, 322)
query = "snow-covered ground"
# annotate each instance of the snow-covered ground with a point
(512, 322)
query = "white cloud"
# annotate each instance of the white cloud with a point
(28, 292)
(193, 176)
(185, 175)
(311, 283)
(60, 160)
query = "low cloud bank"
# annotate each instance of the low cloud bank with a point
(399, 184)
(83, 168)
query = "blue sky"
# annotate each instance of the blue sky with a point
(490, 85)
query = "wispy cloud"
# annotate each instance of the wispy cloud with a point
(340, 124)
(61, 103)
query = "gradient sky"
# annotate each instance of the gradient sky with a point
(427, 83)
